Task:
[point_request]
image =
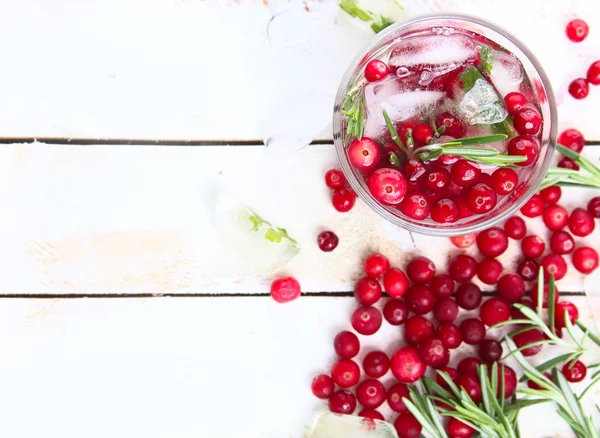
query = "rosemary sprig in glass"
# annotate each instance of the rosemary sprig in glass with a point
(354, 108)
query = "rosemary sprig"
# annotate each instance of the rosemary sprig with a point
(354, 108)
(587, 176)
(272, 233)
(393, 133)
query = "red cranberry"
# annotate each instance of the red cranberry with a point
(422, 134)
(510, 380)
(395, 312)
(514, 102)
(532, 246)
(370, 393)
(367, 291)
(376, 265)
(581, 222)
(472, 331)
(481, 198)
(395, 394)
(469, 367)
(345, 373)
(462, 268)
(559, 313)
(433, 353)
(577, 30)
(407, 426)
(449, 334)
(376, 364)
(495, 310)
(504, 180)
(464, 241)
(593, 73)
(395, 282)
(417, 329)
(445, 310)
(364, 154)
(534, 295)
(534, 207)
(453, 126)
(464, 173)
(406, 365)
(594, 207)
(489, 270)
(572, 139)
(404, 127)
(490, 350)
(527, 121)
(447, 160)
(437, 179)
(471, 386)
(285, 289)
(387, 186)
(511, 288)
(346, 345)
(376, 70)
(554, 264)
(515, 228)
(322, 386)
(531, 384)
(551, 195)
(528, 269)
(442, 285)
(529, 337)
(468, 296)
(327, 241)
(562, 242)
(420, 269)
(585, 259)
(335, 179)
(567, 163)
(415, 206)
(555, 217)
(574, 372)
(342, 402)
(414, 170)
(458, 429)
(419, 299)
(579, 88)
(452, 373)
(343, 200)
(366, 320)
(444, 211)
(492, 242)
(371, 414)
(526, 146)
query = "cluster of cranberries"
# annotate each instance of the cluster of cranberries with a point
(577, 30)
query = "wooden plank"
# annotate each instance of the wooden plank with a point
(110, 220)
(164, 69)
(156, 368)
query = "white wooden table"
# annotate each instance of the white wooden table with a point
(121, 313)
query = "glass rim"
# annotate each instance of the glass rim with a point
(432, 230)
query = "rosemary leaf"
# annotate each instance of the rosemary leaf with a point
(394, 134)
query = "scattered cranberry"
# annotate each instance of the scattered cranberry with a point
(433, 353)
(285, 289)
(419, 299)
(444, 211)
(343, 200)
(449, 334)
(593, 73)
(534, 207)
(517, 314)
(376, 265)
(464, 173)
(504, 180)
(579, 88)
(555, 217)
(417, 329)
(458, 429)
(585, 259)
(581, 222)
(367, 291)
(527, 121)
(442, 285)
(534, 295)
(528, 269)
(453, 126)
(395, 312)
(422, 134)
(376, 70)
(376, 364)
(387, 186)
(322, 386)
(529, 337)
(495, 310)
(366, 320)
(395, 282)
(531, 384)
(551, 195)
(577, 30)
(414, 170)
(532, 246)
(511, 288)
(481, 198)
(406, 365)
(492, 242)
(342, 402)
(335, 179)
(574, 372)
(515, 228)
(407, 426)
(346, 345)
(489, 270)
(510, 380)
(416, 206)
(371, 414)
(395, 395)
(345, 373)
(559, 313)
(514, 102)
(471, 385)
(572, 139)
(445, 310)
(554, 264)
(464, 241)
(327, 241)
(594, 207)
(567, 163)
(490, 350)
(468, 296)
(469, 367)
(370, 393)
(472, 331)
(462, 268)
(420, 269)
(562, 242)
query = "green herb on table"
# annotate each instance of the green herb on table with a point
(273, 233)
(587, 176)
(379, 22)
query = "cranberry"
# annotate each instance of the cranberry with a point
(529, 337)
(327, 241)
(437, 179)
(551, 195)
(442, 285)
(366, 320)
(342, 402)
(554, 264)
(285, 289)
(579, 88)
(510, 380)
(458, 429)
(343, 200)
(472, 331)
(395, 312)
(407, 426)
(414, 170)
(572, 139)
(395, 395)
(433, 353)
(574, 372)
(404, 127)
(448, 160)
(464, 173)
(462, 268)
(517, 314)
(417, 329)
(492, 242)
(526, 146)
(449, 334)
(471, 385)
(370, 393)
(371, 414)
(453, 126)
(346, 345)
(468, 296)
(495, 310)
(469, 367)
(322, 386)
(452, 373)
(515, 228)
(489, 270)
(481, 198)
(581, 222)
(514, 102)
(463, 241)
(532, 246)
(376, 70)
(376, 265)
(511, 288)
(367, 291)
(395, 282)
(577, 30)
(534, 207)
(504, 180)
(531, 384)
(376, 364)
(419, 299)
(567, 163)
(585, 259)
(422, 134)
(445, 310)
(528, 269)
(593, 73)
(527, 121)
(555, 217)
(335, 179)
(406, 365)
(345, 373)
(562, 242)
(559, 313)
(490, 350)
(444, 211)
(594, 207)
(415, 206)
(534, 295)
(387, 186)
(420, 269)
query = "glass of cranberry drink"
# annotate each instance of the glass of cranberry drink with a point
(445, 124)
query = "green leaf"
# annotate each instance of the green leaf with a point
(523, 403)
(393, 133)
(569, 153)
(551, 304)
(481, 139)
(394, 161)
(469, 76)
(503, 127)
(540, 294)
(381, 23)
(351, 8)
(444, 375)
(475, 152)
(550, 364)
(487, 58)
(272, 235)
(256, 220)
(592, 336)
